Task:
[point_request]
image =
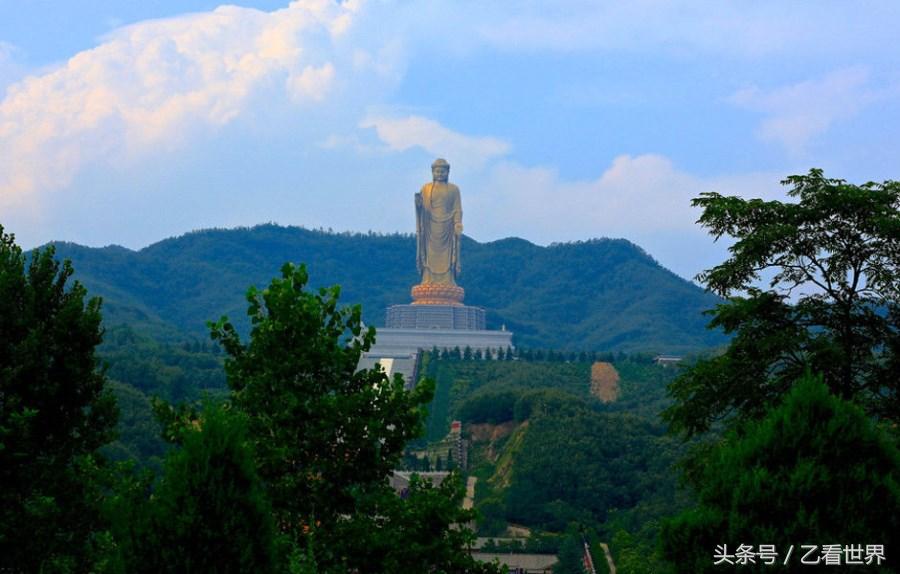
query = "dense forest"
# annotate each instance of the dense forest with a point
(603, 294)
(551, 456)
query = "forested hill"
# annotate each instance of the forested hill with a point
(603, 294)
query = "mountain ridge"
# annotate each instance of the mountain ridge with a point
(600, 294)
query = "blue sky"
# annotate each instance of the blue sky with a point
(127, 122)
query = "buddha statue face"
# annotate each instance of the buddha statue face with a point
(440, 172)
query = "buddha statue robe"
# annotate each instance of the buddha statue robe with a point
(438, 229)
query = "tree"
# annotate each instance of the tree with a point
(634, 556)
(425, 532)
(325, 434)
(209, 513)
(832, 263)
(814, 470)
(55, 412)
(571, 552)
(319, 426)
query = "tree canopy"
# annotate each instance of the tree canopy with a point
(318, 425)
(831, 262)
(815, 470)
(55, 412)
(208, 512)
(327, 435)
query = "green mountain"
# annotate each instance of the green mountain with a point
(602, 294)
(548, 452)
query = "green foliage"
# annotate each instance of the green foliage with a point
(553, 296)
(837, 251)
(493, 517)
(636, 554)
(576, 465)
(412, 534)
(483, 391)
(209, 512)
(537, 402)
(142, 368)
(599, 556)
(138, 431)
(576, 459)
(488, 407)
(438, 421)
(55, 412)
(814, 470)
(172, 371)
(326, 436)
(319, 426)
(465, 388)
(570, 554)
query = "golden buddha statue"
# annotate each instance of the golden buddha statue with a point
(438, 231)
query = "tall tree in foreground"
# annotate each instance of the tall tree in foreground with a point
(326, 435)
(54, 414)
(208, 513)
(815, 470)
(832, 263)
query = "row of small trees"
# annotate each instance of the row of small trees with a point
(537, 355)
(288, 474)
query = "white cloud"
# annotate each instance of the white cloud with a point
(401, 134)
(798, 113)
(645, 199)
(154, 84)
(150, 84)
(633, 195)
(313, 83)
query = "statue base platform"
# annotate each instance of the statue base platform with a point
(437, 294)
(408, 342)
(411, 329)
(426, 316)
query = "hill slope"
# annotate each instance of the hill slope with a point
(547, 453)
(604, 294)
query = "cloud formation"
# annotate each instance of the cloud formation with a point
(644, 198)
(154, 84)
(634, 194)
(401, 134)
(148, 85)
(797, 113)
